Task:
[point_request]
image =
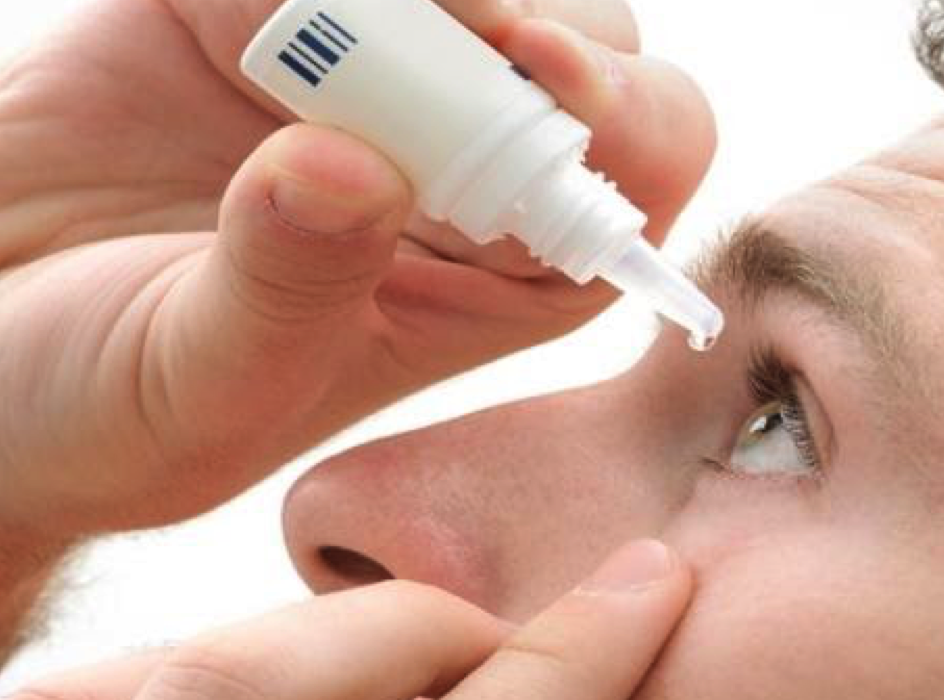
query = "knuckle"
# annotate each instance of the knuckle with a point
(209, 671)
(282, 292)
(547, 661)
(530, 653)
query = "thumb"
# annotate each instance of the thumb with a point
(597, 642)
(308, 226)
(248, 345)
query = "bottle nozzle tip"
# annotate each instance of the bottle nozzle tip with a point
(643, 271)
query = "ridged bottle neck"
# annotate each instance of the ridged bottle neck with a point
(524, 176)
(575, 220)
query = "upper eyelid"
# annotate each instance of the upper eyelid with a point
(769, 378)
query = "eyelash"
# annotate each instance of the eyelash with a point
(770, 381)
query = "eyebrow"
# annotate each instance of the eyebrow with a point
(757, 260)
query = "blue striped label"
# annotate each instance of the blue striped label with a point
(316, 48)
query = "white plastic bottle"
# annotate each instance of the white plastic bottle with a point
(485, 148)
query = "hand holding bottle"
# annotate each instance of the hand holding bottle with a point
(195, 292)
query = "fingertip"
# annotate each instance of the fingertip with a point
(609, 22)
(491, 19)
(309, 224)
(561, 60)
(653, 129)
(336, 163)
(599, 640)
(639, 566)
(315, 180)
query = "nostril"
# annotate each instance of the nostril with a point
(353, 567)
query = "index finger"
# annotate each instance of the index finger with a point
(610, 22)
(223, 28)
(386, 642)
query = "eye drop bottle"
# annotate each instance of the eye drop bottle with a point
(485, 148)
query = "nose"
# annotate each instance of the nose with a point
(324, 539)
(366, 516)
(507, 508)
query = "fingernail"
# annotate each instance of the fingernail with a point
(310, 209)
(609, 63)
(638, 565)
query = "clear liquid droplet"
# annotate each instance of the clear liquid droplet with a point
(701, 343)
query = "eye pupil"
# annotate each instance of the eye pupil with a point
(768, 422)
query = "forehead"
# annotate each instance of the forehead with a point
(882, 220)
(893, 199)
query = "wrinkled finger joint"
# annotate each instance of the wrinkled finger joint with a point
(201, 673)
(44, 693)
(546, 663)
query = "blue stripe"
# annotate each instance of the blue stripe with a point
(308, 39)
(338, 27)
(329, 36)
(300, 69)
(303, 54)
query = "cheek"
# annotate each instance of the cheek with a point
(794, 621)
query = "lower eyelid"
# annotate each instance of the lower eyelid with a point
(722, 473)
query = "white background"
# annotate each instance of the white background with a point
(800, 88)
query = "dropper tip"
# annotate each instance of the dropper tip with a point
(705, 340)
(644, 272)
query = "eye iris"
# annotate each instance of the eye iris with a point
(768, 419)
(772, 441)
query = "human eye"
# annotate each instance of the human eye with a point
(776, 439)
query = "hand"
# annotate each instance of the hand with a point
(400, 640)
(184, 309)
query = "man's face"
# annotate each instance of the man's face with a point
(796, 467)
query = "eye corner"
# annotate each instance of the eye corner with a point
(723, 469)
